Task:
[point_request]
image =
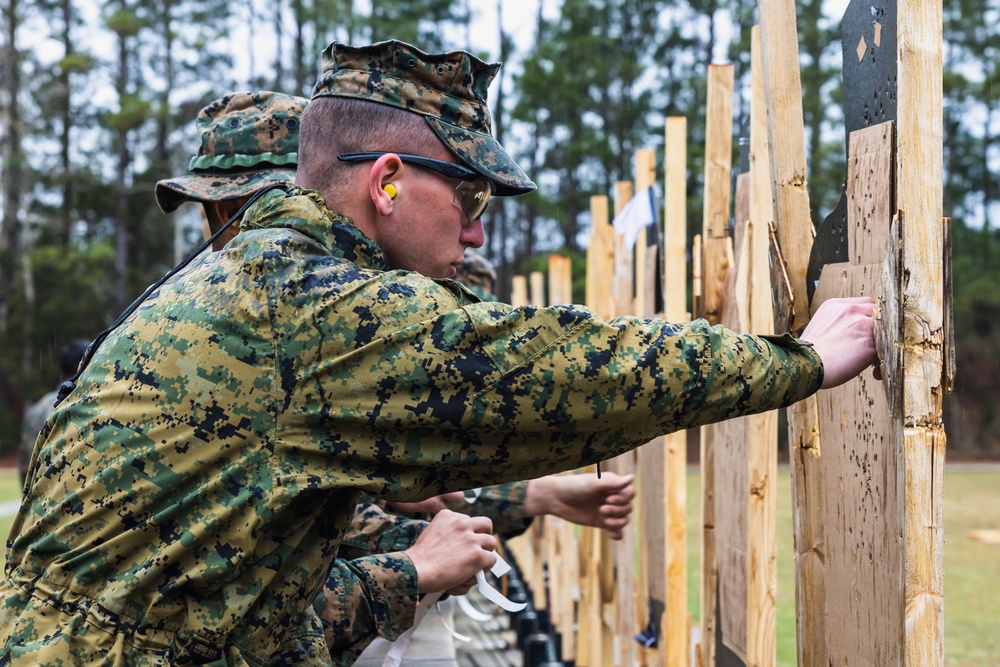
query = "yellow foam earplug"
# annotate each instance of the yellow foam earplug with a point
(390, 190)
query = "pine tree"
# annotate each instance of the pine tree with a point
(591, 116)
(971, 66)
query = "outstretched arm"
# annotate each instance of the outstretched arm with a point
(584, 499)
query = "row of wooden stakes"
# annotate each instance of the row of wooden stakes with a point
(867, 505)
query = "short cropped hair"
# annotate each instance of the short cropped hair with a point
(335, 125)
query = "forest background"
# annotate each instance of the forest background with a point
(98, 98)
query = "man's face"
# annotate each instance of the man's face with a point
(428, 231)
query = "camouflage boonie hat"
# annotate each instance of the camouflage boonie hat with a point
(476, 273)
(248, 141)
(448, 89)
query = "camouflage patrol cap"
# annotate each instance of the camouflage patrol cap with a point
(248, 141)
(476, 273)
(447, 89)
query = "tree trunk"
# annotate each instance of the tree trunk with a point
(710, 42)
(121, 191)
(605, 107)
(527, 245)
(987, 178)
(279, 72)
(498, 214)
(301, 76)
(66, 211)
(570, 224)
(164, 124)
(13, 162)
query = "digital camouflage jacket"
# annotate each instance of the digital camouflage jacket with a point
(187, 499)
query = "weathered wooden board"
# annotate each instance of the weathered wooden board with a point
(762, 429)
(730, 437)
(676, 623)
(619, 572)
(791, 248)
(536, 280)
(652, 581)
(601, 259)
(786, 134)
(746, 449)
(862, 495)
(731, 484)
(718, 169)
(624, 275)
(919, 198)
(519, 291)
(863, 552)
(711, 266)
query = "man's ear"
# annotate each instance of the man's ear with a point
(382, 174)
(218, 214)
(227, 209)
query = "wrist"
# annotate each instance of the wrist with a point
(538, 496)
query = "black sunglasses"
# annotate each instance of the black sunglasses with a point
(449, 169)
(471, 200)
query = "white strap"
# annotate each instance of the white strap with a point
(471, 611)
(444, 621)
(499, 569)
(398, 648)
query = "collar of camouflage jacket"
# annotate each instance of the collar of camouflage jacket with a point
(305, 211)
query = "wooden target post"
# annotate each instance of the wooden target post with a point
(714, 264)
(649, 514)
(676, 624)
(868, 503)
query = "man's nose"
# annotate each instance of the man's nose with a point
(473, 234)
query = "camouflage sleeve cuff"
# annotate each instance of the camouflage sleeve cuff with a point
(800, 353)
(751, 374)
(391, 583)
(364, 598)
(791, 346)
(790, 372)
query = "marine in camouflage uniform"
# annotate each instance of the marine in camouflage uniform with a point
(190, 494)
(249, 141)
(477, 273)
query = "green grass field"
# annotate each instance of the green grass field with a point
(972, 569)
(10, 489)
